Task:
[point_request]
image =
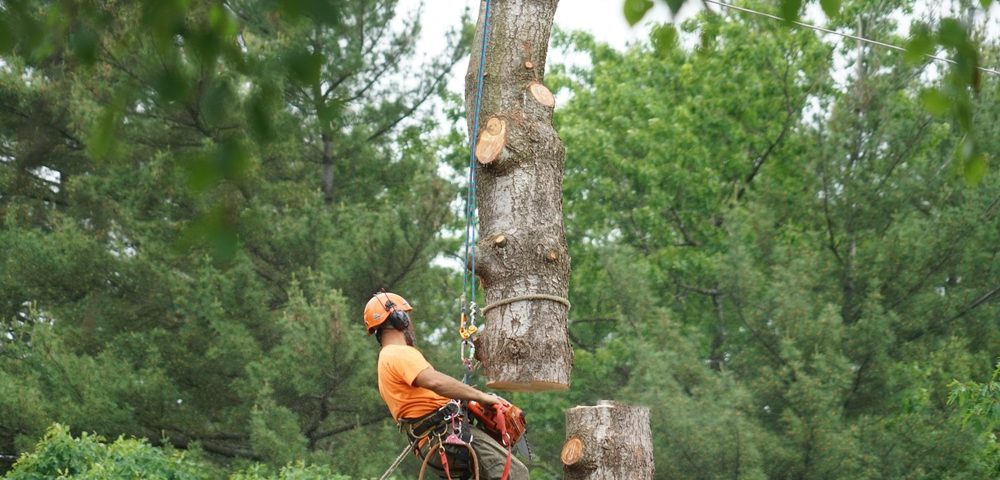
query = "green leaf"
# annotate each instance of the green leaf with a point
(216, 100)
(305, 67)
(171, 85)
(328, 112)
(324, 12)
(103, 138)
(232, 158)
(201, 174)
(7, 41)
(675, 5)
(664, 38)
(935, 102)
(952, 33)
(84, 44)
(986, 4)
(975, 169)
(222, 22)
(259, 112)
(636, 9)
(963, 112)
(919, 46)
(830, 7)
(790, 9)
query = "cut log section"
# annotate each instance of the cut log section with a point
(519, 171)
(491, 141)
(610, 441)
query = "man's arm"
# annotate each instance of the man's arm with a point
(446, 386)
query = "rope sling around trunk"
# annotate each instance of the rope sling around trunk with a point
(519, 298)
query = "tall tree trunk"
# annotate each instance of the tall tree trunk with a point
(611, 441)
(522, 257)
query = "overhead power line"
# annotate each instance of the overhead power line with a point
(845, 35)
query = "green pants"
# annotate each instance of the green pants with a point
(492, 458)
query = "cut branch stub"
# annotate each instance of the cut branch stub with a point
(491, 141)
(572, 451)
(542, 94)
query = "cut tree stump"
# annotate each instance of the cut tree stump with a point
(610, 441)
(521, 257)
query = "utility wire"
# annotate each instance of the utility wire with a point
(845, 35)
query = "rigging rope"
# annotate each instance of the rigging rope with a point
(471, 226)
(399, 460)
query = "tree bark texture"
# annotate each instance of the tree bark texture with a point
(522, 258)
(611, 441)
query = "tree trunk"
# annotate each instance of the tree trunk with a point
(608, 442)
(522, 257)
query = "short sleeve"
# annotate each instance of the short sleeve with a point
(409, 362)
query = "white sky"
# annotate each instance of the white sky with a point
(602, 18)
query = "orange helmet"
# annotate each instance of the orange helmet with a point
(381, 306)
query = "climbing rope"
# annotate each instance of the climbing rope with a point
(395, 464)
(467, 323)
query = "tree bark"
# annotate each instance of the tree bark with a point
(522, 258)
(608, 442)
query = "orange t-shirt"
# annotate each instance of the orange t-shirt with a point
(398, 366)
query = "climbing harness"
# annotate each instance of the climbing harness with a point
(447, 432)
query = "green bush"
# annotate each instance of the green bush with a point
(297, 471)
(89, 457)
(60, 456)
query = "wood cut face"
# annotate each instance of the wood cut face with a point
(491, 141)
(542, 94)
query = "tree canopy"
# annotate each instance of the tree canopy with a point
(773, 245)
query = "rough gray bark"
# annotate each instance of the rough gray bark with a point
(611, 441)
(522, 250)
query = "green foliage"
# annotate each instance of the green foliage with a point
(781, 266)
(298, 471)
(979, 402)
(190, 228)
(60, 455)
(952, 34)
(751, 260)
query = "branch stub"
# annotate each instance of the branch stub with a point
(572, 451)
(542, 94)
(491, 141)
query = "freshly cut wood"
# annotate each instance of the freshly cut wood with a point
(610, 441)
(542, 94)
(525, 343)
(572, 451)
(491, 141)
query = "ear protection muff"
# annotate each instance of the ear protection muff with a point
(398, 319)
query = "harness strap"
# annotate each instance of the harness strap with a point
(472, 455)
(501, 420)
(444, 459)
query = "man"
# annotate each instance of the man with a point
(417, 395)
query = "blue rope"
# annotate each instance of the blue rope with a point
(469, 278)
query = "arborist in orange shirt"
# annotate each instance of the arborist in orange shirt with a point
(425, 402)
